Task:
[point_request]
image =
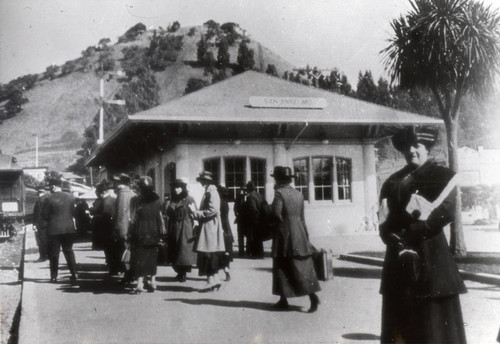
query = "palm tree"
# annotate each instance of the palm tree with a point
(450, 47)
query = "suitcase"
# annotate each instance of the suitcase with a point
(323, 265)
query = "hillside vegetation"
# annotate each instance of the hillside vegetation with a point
(61, 106)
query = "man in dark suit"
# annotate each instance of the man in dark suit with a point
(40, 225)
(58, 211)
(252, 209)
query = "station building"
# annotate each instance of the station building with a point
(242, 127)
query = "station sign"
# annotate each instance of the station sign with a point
(288, 102)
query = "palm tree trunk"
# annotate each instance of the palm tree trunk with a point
(457, 241)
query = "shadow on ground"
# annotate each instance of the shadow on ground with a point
(262, 306)
(371, 273)
(361, 336)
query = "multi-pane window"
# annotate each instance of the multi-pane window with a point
(344, 178)
(213, 165)
(322, 177)
(301, 170)
(258, 174)
(235, 174)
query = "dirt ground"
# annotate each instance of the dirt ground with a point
(10, 285)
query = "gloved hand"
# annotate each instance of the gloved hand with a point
(416, 233)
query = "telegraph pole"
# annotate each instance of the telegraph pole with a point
(100, 140)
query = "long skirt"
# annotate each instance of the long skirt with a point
(144, 261)
(294, 276)
(410, 320)
(208, 263)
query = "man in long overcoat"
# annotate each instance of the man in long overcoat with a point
(58, 211)
(252, 209)
(121, 221)
(41, 226)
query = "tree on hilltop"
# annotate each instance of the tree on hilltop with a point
(132, 33)
(245, 58)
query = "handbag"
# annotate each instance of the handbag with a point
(409, 265)
(323, 264)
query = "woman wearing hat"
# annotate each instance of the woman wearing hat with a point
(210, 239)
(293, 267)
(146, 229)
(420, 282)
(180, 229)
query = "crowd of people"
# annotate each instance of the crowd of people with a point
(420, 284)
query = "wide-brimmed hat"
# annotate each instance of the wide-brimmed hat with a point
(145, 182)
(407, 137)
(205, 175)
(180, 181)
(122, 177)
(282, 173)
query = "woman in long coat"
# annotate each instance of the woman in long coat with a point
(146, 229)
(180, 230)
(227, 257)
(420, 281)
(293, 267)
(210, 239)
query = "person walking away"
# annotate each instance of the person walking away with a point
(420, 283)
(180, 229)
(103, 211)
(238, 208)
(252, 221)
(227, 257)
(293, 267)
(40, 225)
(146, 230)
(121, 225)
(82, 218)
(210, 240)
(58, 210)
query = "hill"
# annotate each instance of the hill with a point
(63, 105)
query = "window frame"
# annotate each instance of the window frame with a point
(302, 188)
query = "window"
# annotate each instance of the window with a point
(344, 178)
(301, 170)
(322, 177)
(235, 174)
(258, 174)
(213, 165)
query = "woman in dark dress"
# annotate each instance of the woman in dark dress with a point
(180, 230)
(293, 267)
(420, 282)
(146, 229)
(227, 257)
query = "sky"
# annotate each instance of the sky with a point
(344, 34)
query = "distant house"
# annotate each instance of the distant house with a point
(70, 176)
(242, 127)
(478, 167)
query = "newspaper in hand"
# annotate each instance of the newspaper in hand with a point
(419, 207)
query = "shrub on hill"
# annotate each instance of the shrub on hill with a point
(163, 49)
(50, 72)
(194, 84)
(174, 27)
(245, 58)
(132, 33)
(230, 30)
(191, 32)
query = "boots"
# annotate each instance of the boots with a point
(314, 303)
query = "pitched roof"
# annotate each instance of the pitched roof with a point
(228, 101)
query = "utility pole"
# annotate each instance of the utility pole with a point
(119, 73)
